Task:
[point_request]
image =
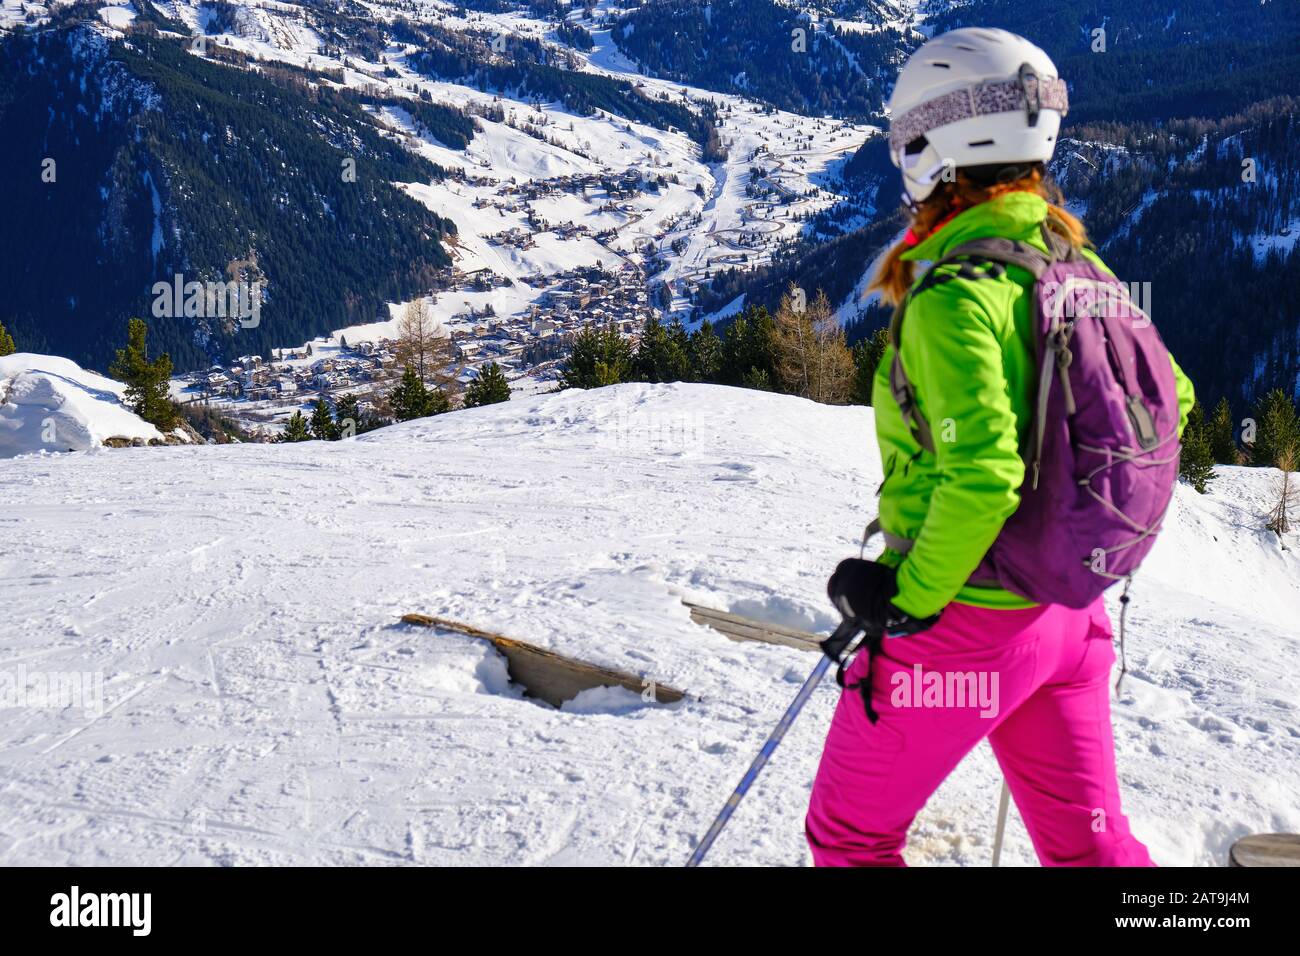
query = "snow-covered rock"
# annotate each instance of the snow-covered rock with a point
(261, 703)
(52, 404)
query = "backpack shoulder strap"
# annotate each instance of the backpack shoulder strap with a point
(992, 249)
(901, 387)
(1006, 251)
(1012, 252)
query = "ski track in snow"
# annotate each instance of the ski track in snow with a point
(263, 705)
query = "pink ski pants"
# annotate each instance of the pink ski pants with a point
(1035, 681)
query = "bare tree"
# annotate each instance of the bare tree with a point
(793, 340)
(1287, 489)
(812, 356)
(418, 344)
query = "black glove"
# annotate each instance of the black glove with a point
(864, 590)
(835, 645)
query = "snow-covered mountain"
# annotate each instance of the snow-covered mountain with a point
(687, 157)
(495, 163)
(260, 702)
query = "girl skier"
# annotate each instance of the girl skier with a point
(974, 118)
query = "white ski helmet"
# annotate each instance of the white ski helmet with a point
(973, 98)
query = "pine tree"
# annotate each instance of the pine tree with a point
(147, 382)
(680, 341)
(436, 402)
(600, 356)
(489, 388)
(704, 350)
(7, 346)
(322, 423)
(347, 416)
(648, 348)
(1196, 462)
(296, 429)
(1223, 441)
(1277, 430)
(664, 296)
(409, 398)
(748, 349)
(866, 359)
(661, 353)
(412, 399)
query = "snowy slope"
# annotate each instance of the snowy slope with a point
(262, 705)
(48, 403)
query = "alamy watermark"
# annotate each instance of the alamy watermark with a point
(236, 299)
(655, 430)
(945, 689)
(1106, 300)
(52, 690)
(75, 908)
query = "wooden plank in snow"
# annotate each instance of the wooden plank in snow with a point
(746, 629)
(1266, 849)
(545, 674)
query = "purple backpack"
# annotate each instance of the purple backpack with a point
(1101, 456)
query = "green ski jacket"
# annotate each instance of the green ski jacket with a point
(967, 348)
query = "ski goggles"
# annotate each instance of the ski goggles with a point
(1028, 92)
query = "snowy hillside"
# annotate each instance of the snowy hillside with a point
(261, 704)
(691, 234)
(49, 403)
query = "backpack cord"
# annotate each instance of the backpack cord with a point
(870, 645)
(1123, 610)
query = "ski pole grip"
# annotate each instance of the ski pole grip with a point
(834, 646)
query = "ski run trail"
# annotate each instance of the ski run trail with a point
(262, 704)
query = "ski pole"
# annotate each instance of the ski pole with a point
(843, 634)
(998, 833)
